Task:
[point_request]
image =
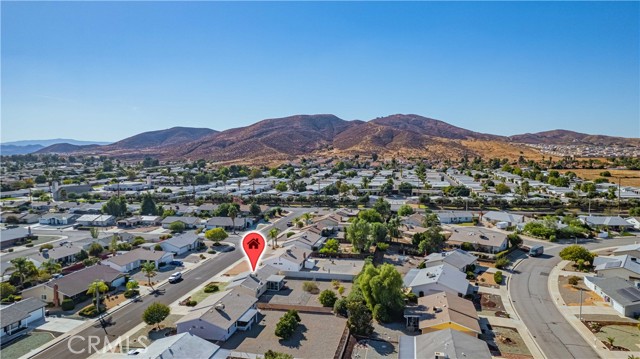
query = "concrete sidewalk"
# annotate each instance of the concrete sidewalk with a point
(570, 314)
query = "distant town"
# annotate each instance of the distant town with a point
(368, 257)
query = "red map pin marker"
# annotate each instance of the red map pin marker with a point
(253, 245)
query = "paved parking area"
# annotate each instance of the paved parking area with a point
(374, 349)
(60, 325)
(317, 336)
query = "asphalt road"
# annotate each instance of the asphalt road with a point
(129, 316)
(530, 295)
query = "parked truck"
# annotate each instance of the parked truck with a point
(535, 251)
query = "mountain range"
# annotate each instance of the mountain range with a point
(286, 138)
(30, 146)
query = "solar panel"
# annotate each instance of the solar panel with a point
(632, 294)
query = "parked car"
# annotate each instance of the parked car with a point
(175, 277)
(177, 263)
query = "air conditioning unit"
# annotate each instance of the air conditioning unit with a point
(220, 306)
(440, 355)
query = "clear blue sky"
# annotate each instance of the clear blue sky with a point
(105, 71)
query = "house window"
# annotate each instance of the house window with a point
(43, 297)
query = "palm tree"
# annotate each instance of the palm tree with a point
(24, 268)
(149, 270)
(273, 233)
(307, 217)
(113, 246)
(233, 213)
(97, 287)
(51, 267)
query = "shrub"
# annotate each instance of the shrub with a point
(502, 254)
(211, 251)
(192, 303)
(202, 256)
(335, 283)
(211, 288)
(130, 293)
(289, 234)
(10, 250)
(157, 247)
(327, 298)
(340, 307)
(466, 246)
(383, 246)
(497, 277)
(29, 245)
(422, 265)
(67, 304)
(89, 311)
(340, 290)
(412, 297)
(310, 287)
(574, 280)
(45, 246)
(287, 324)
(502, 263)
(17, 298)
(470, 275)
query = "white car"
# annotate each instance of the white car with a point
(175, 277)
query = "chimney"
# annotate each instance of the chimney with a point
(56, 296)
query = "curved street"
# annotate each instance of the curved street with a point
(530, 295)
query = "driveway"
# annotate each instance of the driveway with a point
(60, 325)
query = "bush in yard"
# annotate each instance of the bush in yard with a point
(67, 304)
(335, 283)
(130, 293)
(156, 313)
(422, 265)
(89, 311)
(6, 289)
(497, 277)
(383, 246)
(270, 354)
(157, 247)
(327, 298)
(287, 324)
(340, 290)
(192, 303)
(211, 288)
(46, 246)
(310, 287)
(574, 280)
(29, 245)
(340, 307)
(502, 262)
(411, 297)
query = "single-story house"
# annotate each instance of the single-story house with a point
(58, 219)
(189, 222)
(227, 224)
(615, 223)
(61, 193)
(150, 220)
(625, 267)
(74, 285)
(482, 239)
(441, 311)
(17, 316)
(436, 279)
(256, 283)
(220, 315)
(622, 294)
(11, 236)
(306, 239)
(64, 254)
(632, 250)
(182, 243)
(448, 217)
(443, 344)
(179, 346)
(133, 259)
(129, 222)
(293, 259)
(635, 222)
(96, 220)
(457, 258)
(414, 220)
(510, 219)
(24, 218)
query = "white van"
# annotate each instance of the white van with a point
(175, 277)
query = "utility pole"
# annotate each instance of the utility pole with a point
(580, 316)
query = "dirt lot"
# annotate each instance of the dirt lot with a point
(590, 174)
(491, 305)
(508, 342)
(317, 336)
(571, 294)
(114, 300)
(488, 278)
(295, 295)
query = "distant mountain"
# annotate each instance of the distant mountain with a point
(279, 139)
(30, 146)
(565, 137)
(146, 143)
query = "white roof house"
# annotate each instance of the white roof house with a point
(457, 258)
(624, 266)
(179, 346)
(292, 259)
(435, 279)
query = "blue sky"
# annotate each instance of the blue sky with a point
(108, 70)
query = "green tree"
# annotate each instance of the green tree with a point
(95, 249)
(327, 298)
(514, 240)
(287, 324)
(115, 206)
(216, 234)
(575, 252)
(331, 246)
(430, 220)
(307, 217)
(359, 321)
(379, 232)
(255, 209)
(281, 186)
(51, 267)
(148, 205)
(270, 354)
(382, 288)
(96, 288)
(429, 241)
(95, 232)
(24, 269)
(502, 188)
(149, 270)
(370, 216)
(233, 213)
(177, 227)
(383, 207)
(156, 313)
(358, 234)
(113, 245)
(405, 210)
(6, 289)
(273, 234)
(133, 284)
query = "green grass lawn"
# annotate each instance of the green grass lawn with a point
(627, 336)
(25, 344)
(200, 295)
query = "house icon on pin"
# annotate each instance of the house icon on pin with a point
(253, 244)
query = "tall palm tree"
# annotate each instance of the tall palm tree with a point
(273, 233)
(96, 287)
(233, 213)
(307, 217)
(113, 246)
(149, 270)
(51, 267)
(24, 268)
